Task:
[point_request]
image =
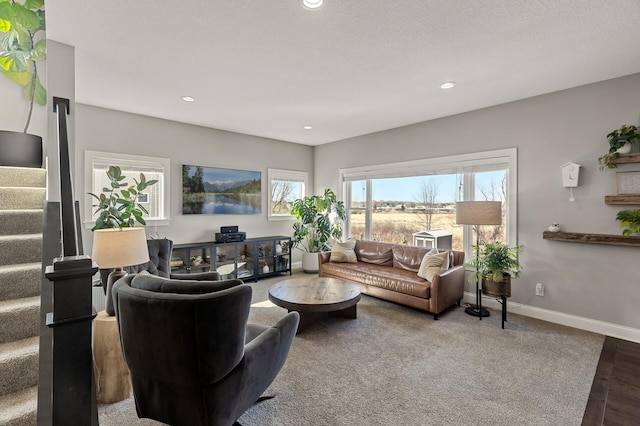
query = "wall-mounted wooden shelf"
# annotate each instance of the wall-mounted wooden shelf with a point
(622, 199)
(578, 237)
(627, 158)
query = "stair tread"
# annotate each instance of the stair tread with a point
(20, 267)
(18, 403)
(19, 348)
(15, 304)
(21, 237)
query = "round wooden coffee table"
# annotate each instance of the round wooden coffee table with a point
(314, 298)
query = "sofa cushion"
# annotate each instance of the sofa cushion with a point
(374, 252)
(433, 264)
(408, 257)
(393, 279)
(343, 252)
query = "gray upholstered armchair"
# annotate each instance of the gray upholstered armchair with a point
(193, 358)
(160, 264)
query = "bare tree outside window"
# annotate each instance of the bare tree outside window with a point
(494, 191)
(280, 192)
(426, 199)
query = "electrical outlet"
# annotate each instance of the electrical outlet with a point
(539, 289)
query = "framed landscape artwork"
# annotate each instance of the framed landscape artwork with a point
(212, 190)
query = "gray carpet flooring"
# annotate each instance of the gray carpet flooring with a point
(395, 365)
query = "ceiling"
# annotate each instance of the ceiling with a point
(353, 67)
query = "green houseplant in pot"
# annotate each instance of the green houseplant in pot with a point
(620, 141)
(495, 265)
(22, 46)
(320, 218)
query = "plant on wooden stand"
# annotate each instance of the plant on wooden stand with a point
(617, 139)
(117, 207)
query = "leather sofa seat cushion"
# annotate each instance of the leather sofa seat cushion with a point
(394, 279)
(374, 252)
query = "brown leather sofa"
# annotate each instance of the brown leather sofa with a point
(389, 271)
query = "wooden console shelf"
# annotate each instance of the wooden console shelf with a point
(578, 237)
(622, 199)
(627, 158)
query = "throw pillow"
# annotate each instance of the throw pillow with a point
(344, 252)
(433, 264)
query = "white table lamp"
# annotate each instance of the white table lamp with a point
(117, 248)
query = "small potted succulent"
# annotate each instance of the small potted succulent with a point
(495, 265)
(630, 219)
(620, 141)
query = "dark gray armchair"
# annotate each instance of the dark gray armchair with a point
(160, 264)
(193, 358)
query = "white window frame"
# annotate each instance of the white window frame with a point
(453, 164)
(284, 175)
(118, 159)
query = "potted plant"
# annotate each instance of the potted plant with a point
(495, 264)
(630, 219)
(119, 208)
(20, 25)
(320, 218)
(620, 141)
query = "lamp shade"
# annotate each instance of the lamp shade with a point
(479, 212)
(119, 247)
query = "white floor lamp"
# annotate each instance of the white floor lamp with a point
(478, 213)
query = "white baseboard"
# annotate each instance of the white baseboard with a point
(582, 323)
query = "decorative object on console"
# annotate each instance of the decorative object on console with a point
(320, 218)
(117, 248)
(630, 219)
(625, 135)
(570, 175)
(478, 213)
(210, 190)
(117, 207)
(554, 227)
(25, 44)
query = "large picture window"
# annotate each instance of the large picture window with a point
(155, 199)
(285, 186)
(414, 202)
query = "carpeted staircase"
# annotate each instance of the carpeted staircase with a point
(22, 193)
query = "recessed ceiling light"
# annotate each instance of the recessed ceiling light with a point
(447, 84)
(308, 127)
(312, 4)
(188, 99)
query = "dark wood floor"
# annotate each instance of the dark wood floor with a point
(615, 393)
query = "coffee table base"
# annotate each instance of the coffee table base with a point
(316, 298)
(308, 318)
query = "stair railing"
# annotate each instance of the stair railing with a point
(66, 388)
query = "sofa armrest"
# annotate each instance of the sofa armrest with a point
(323, 257)
(447, 288)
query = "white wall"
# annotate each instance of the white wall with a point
(99, 129)
(595, 282)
